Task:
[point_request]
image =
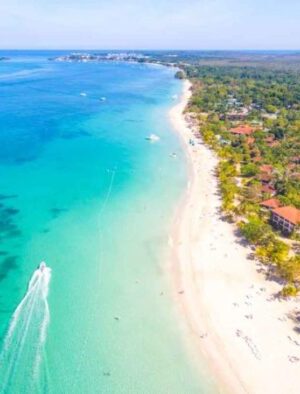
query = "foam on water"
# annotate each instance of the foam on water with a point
(23, 345)
(22, 74)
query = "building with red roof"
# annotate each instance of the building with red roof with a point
(286, 218)
(268, 189)
(267, 168)
(250, 140)
(296, 159)
(242, 130)
(270, 138)
(265, 178)
(273, 144)
(271, 203)
(296, 175)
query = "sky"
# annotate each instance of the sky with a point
(150, 24)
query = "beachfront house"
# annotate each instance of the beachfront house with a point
(271, 203)
(266, 168)
(268, 189)
(243, 130)
(285, 218)
(265, 178)
(250, 140)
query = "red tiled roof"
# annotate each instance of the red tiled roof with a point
(289, 213)
(265, 177)
(242, 130)
(271, 203)
(268, 189)
(269, 139)
(266, 168)
(273, 144)
(257, 158)
(296, 159)
(295, 175)
(250, 140)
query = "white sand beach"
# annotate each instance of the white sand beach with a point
(230, 314)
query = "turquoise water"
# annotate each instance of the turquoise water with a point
(82, 189)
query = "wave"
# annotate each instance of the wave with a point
(23, 346)
(22, 74)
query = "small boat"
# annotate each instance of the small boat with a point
(175, 97)
(83, 94)
(153, 138)
(102, 98)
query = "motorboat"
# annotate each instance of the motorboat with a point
(153, 138)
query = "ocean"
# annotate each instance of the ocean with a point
(82, 189)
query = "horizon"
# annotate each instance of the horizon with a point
(154, 49)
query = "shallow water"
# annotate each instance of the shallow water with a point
(82, 189)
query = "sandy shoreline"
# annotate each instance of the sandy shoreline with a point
(230, 315)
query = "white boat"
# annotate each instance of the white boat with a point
(153, 138)
(83, 94)
(102, 98)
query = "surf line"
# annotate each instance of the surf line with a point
(23, 345)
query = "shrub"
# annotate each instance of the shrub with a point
(255, 230)
(273, 251)
(271, 109)
(290, 269)
(180, 74)
(249, 170)
(209, 138)
(290, 290)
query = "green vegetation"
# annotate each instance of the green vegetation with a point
(180, 75)
(228, 188)
(249, 170)
(290, 290)
(291, 270)
(256, 231)
(263, 161)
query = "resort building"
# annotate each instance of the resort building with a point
(296, 159)
(268, 189)
(266, 168)
(250, 140)
(271, 142)
(286, 218)
(269, 139)
(265, 178)
(271, 203)
(242, 130)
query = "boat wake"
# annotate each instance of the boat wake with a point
(23, 345)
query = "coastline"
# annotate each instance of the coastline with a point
(231, 316)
